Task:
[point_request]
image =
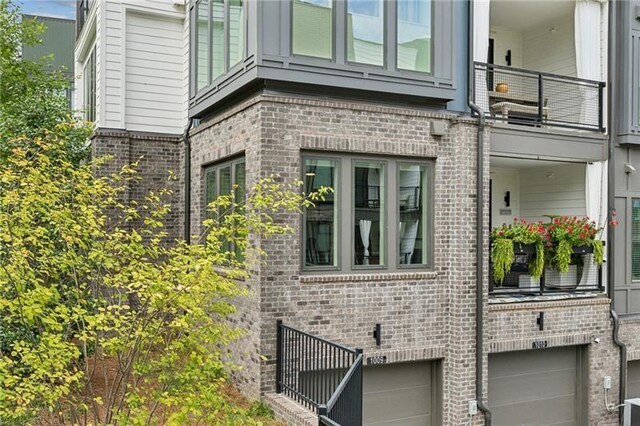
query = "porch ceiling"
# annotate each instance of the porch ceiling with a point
(524, 15)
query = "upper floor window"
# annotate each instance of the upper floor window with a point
(378, 216)
(219, 38)
(89, 79)
(366, 29)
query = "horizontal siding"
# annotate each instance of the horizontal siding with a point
(113, 24)
(553, 190)
(155, 74)
(551, 47)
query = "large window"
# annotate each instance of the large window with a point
(219, 38)
(221, 179)
(378, 217)
(635, 240)
(369, 30)
(414, 35)
(313, 28)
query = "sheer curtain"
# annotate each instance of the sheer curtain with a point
(481, 49)
(588, 39)
(596, 209)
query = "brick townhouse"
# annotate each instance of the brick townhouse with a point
(435, 121)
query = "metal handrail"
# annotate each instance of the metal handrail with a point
(543, 73)
(343, 384)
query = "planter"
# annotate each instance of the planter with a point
(561, 280)
(582, 250)
(527, 282)
(519, 248)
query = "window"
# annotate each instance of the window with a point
(378, 217)
(313, 28)
(90, 87)
(366, 31)
(635, 240)
(221, 179)
(414, 35)
(219, 38)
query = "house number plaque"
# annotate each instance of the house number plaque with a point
(540, 344)
(379, 359)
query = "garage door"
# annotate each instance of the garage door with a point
(541, 387)
(633, 379)
(406, 394)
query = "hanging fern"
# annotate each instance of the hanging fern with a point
(598, 252)
(502, 256)
(562, 258)
(536, 265)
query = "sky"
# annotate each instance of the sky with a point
(54, 8)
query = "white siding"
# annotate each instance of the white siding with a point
(551, 48)
(555, 190)
(154, 77)
(503, 180)
(504, 40)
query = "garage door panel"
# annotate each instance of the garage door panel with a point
(530, 362)
(400, 376)
(412, 402)
(541, 386)
(413, 421)
(535, 387)
(398, 394)
(548, 411)
(633, 379)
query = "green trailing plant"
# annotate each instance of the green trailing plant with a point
(502, 251)
(566, 232)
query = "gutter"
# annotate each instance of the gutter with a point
(187, 181)
(612, 103)
(479, 224)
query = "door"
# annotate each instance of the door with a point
(538, 387)
(402, 394)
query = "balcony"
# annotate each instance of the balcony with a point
(538, 99)
(583, 276)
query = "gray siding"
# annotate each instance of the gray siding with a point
(627, 55)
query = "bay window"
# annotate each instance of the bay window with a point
(219, 38)
(378, 217)
(365, 32)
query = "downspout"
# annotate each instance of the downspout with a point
(187, 182)
(612, 103)
(479, 224)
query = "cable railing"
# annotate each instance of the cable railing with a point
(538, 99)
(320, 375)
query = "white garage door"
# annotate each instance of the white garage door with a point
(403, 394)
(633, 379)
(537, 387)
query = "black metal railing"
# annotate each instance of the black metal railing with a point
(583, 275)
(320, 375)
(533, 98)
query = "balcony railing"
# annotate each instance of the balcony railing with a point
(583, 275)
(538, 99)
(321, 375)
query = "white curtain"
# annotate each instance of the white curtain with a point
(596, 204)
(588, 39)
(481, 49)
(365, 231)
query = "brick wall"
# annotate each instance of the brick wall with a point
(417, 310)
(157, 155)
(426, 314)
